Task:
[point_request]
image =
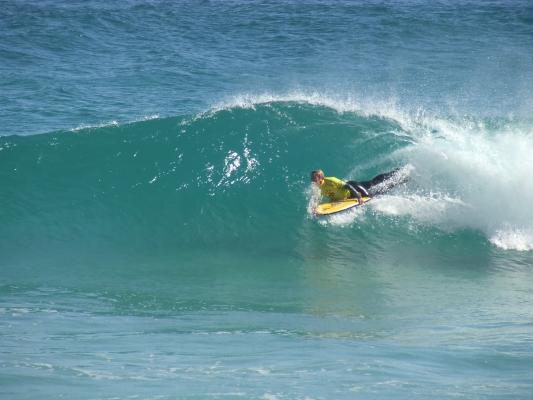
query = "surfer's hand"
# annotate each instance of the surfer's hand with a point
(361, 202)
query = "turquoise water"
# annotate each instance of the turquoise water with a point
(156, 239)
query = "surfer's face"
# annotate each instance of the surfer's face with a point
(317, 179)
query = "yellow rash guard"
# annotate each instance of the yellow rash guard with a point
(334, 189)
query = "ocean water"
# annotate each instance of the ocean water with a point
(156, 233)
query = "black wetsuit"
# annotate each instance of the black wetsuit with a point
(367, 188)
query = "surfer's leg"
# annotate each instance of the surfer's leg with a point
(382, 177)
(375, 184)
(359, 187)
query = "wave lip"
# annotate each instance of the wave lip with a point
(365, 107)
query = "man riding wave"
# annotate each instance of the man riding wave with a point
(336, 189)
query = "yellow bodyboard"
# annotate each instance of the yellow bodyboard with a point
(338, 206)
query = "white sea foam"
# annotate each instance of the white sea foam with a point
(150, 117)
(269, 396)
(312, 194)
(467, 176)
(111, 123)
(513, 239)
(92, 126)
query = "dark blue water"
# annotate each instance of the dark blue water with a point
(66, 64)
(156, 239)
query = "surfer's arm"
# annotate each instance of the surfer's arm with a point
(354, 192)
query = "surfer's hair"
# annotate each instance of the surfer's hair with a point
(315, 173)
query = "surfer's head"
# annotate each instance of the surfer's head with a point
(317, 176)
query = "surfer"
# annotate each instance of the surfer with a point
(337, 190)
